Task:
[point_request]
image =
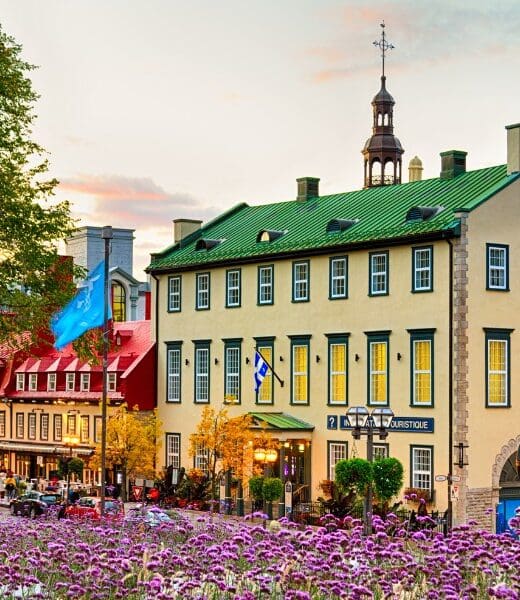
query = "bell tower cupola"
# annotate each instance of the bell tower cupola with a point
(383, 151)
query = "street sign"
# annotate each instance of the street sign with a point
(455, 477)
(440, 478)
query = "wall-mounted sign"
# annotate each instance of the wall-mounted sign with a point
(400, 424)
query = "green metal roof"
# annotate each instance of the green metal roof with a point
(282, 421)
(379, 212)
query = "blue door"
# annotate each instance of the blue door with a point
(506, 511)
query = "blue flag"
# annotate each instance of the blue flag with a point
(260, 370)
(85, 311)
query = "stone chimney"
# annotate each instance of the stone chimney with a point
(513, 148)
(308, 187)
(453, 163)
(415, 169)
(183, 228)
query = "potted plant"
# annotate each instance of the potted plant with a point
(272, 489)
(255, 491)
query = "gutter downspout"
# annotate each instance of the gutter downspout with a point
(156, 334)
(450, 391)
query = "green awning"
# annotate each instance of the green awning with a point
(280, 421)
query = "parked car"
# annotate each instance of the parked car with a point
(153, 516)
(33, 504)
(89, 507)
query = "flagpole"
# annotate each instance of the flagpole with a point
(106, 234)
(270, 367)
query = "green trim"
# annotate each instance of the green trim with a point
(282, 421)
(260, 268)
(504, 247)
(239, 303)
(371, 255)
(230, 344)
(168, 304)
(197, 278)
(201, 345)
(432, 464)
(377, 337)
(264, 338)
(337, 340)
(414, 267)
(301, 340)
(266, 342)
(503, 335)
(343, 296)
(422, 335)
(173, 346)
(296, 263)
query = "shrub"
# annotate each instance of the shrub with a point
(388, 478)
(272, 489)
(255, 487)
(355, 473)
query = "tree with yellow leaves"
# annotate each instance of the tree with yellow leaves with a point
(227, 441)
(132, 443)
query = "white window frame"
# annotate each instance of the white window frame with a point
(51, 382)
(2, 423)
(265, 284)
(233, 288)
(502, 372)
(301, 284)
(497, 273)
(112, 382)
(58, 427)
(31, 426)
(336, 451)
(33, 382)
(44, 426)
(380, 451)
(70, 383)
(420, 271)
(202, 291)
(174, 294)
(338, 283)
(201, 374)
(71, 424)
(84, 428)
(421, 469)
(173, 374)
(201, 458)
(84, 382)
(20, 426)
(232, 372)
(379, 277)
(173, 450)
(20, 382)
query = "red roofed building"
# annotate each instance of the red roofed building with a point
(49, 395)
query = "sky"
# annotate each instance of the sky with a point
(153, 110)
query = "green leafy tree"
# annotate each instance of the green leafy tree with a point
(354, 474)
(33, 282)
(388, 480)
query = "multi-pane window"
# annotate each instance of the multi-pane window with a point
(266, 390)
(20, 382)
(112, 382)
(173, 450)
(338, 278)
(58, 427)
(378, 274)
(422, 269)
(84, 432)
(300, 287)
(174, 293)
(497, 368)
(19, 425)
(70, 382)
(265, 284)
(300, 370)
(337, 369)
(233, 288)
(421, 345)
(84, 382)
(2, 423)
(201, 458)
(44, 426)
(97, 429)
(71, 424)
(336, 451)
(202, 372)
(232, 371)
(51, 382)
(31, 426)
(202, 291)
(33, 382)
(118, 302)
(497, 267)
(377, 369)
(380, 451)
(173, 372)
(421, 467)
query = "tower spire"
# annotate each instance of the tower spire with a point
(384, 46)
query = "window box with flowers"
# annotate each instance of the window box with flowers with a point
(414, 495)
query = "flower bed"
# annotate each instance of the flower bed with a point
(217, 558)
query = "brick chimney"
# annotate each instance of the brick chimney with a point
(513, 148)
(453, 163)
(308, 187)
(183, 228)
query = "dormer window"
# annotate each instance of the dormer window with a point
(112, 382)
(207, 244)
(51, 382)
(339, 225)
(85, 382)
(269, 235)
(33, 382)
(20, 382)
(70, 382)
(422, 213)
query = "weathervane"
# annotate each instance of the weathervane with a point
(383, 45)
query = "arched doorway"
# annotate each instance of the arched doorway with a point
(509, 490)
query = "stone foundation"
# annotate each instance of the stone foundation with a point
(480, 508)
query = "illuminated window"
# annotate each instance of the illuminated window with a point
(300, 370)
(266, 390)
(421, 345)
(378, 369)
(232, 371)
(497, 368)
(84, 432)
(337, 369)
(118, 302)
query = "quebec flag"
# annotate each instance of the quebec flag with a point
(260, 370)
(85, 311)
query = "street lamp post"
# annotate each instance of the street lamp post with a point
(71, 442)
(365, 423)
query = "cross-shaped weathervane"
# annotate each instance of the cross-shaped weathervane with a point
(383, 45)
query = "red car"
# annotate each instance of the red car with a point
(89, 507)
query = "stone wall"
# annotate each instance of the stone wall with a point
(479, 506)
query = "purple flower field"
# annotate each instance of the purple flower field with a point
(221, 558)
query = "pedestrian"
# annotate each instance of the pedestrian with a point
(10, 487)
